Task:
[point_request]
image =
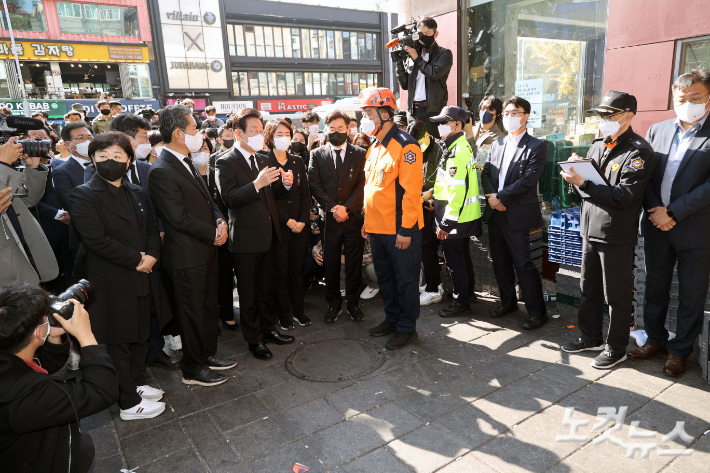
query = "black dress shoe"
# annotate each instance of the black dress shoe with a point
(231, 327)
(206, 377)
(260, 351)
(332, 315)
(164, 361)
(356, 314)
(504, 309)
(535, 322)
(454, 309)
(277, 338)
(217, 363)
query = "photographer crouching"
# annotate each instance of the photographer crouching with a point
(39, 411)
(424, 76)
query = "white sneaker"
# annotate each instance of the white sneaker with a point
(147, 409)
(174, 343)
(369, 293)
(426, 298)
(72, 363)
(152, 394)
(342, 292)
(422, 288)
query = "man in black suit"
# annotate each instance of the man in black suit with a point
(337, 178)
(194, 228)
(244, 179)
(510, 180)
(676, 221)
(70, 174)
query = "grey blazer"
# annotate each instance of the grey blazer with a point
(690, 194)
(14, 261)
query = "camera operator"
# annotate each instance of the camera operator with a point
(39, 412)
(424, 76)
(25, 254)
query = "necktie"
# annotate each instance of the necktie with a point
(193, 169)
(252, 163)
(338, 163)
(134, 175)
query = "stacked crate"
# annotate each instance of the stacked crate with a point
(564, 243)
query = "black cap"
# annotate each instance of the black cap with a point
(449, 113)
(615, 102)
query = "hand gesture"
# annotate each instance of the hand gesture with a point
(402, 243)
(340, 213)
(298, 227)
(318, 257)
(572, 177)
(5, 199)
(441, 234)
(64, 217)
(79, 326)
(364, 234)
(412, 52)
(660, 219)
(266, 177)
(495, 202)
(222, 234)
(312, 138)
(10, 152)
(287, 177)
(146, 264)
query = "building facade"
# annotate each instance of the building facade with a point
(277, 57)
(73, 52)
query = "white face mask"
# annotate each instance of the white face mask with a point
(367, 126)
(282, 142)
(691, 112)
(200, 159)
(83, 148)
(313, 128)
(47, 334)
(158, 150)
(610, 127)
(512, 124)
(194, 142)
(444, 131)
(353, 131)
(256, 142)
(142, 151)
(214, 144)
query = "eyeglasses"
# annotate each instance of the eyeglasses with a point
(695, 101)
(514, 114)
(82, 138)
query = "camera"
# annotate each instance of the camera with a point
(411, 38)
(80, 291)
(13, 126)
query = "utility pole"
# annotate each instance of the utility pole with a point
(25, 103)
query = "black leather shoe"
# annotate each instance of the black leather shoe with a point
(356, 314)
(164, 361)
(206, 377)
(454, 310)
(383, 329)
(231, 327)
(260, 351)
(400, 340)
(277, 338)
(332, 315)
(535, 322)
(217, 363)
(504, 309)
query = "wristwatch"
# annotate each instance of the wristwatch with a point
(670, 214)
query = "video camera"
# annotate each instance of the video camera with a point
(14, 126)
(411, 38)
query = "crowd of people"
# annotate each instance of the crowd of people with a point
(164, 212)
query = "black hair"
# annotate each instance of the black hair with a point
(239, 119)
(699, 74)
(309, 117)
(519, 102)
(335, 114)
(154, 137)
(66, 131)
(210, 132)
(129, 124)
(428, 22)
(493, 102)
(22, 308)
(109, 138)
(417, 129)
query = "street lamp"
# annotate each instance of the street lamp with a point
(25, 103)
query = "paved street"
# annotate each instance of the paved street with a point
(470, 395)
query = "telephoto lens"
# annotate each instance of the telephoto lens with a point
(80, 291)
(35, 148)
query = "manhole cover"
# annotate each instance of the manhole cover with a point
(336, 359)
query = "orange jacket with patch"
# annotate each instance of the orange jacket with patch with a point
(393, 185)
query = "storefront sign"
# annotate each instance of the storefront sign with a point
(129, 106)
(200, 104)
(193, 44)
(531, 90)
(225, 108)
(54, 107)
(53, 51)
(555, 113)
(291, 105)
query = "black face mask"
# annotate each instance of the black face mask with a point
(427, 41)
(297, 147)
(337, 139)
(105, 111)
(111, 170)
(227, 143)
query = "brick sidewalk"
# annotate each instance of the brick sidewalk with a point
(472, 394)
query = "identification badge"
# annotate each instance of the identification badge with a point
(381, 177)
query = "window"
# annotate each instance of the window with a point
(259, 35)
(287, 41)
(362, 52)
(692, 53)
(375, 47)
(299, 83)
(251, 45)
(314, 44)
(230, 40)
(340, 77)
(140, 80)
(295, 43)
(308, 79)
(107, 20)
(254, 82)
(239, 38)
(272, 84)
(346, 45)
(239, 84)
(368, 45)
(278, 43)
(353, 45)
(348, 84)
(356, 84)
(282, 83)
(25, 15)
(330, 38)
(316, 83)
(269, 41)
(339, 45)
(324, 83)
(322, 45)
(290, 84)
(306, 43)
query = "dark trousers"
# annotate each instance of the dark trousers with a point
(290, 258)
(420, 113)
(398, 277)
(129, 358)
(693, 274)
(510, 250)
(63, 255)
(255, 283)
(430, 253)
(458, 261)
(225, 290)
(354, 247)
(156, 343)
(606, 274)
(196, 313)
(86, 452)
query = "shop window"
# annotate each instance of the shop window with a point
(230, 40)
(25, 15)
(348, 84)
(353, 46)
(338, 45)
(272, 84)
(282, 83)
(250, 41)
(330, 38)
(316, 83)
(324, 83)
(259, 35)
(362, 52)
(278, 43)
(140, 80)
(368, 46)
(346, 45)
(263, 84)
(322, 44)
(107, 20)
(290, 84)
(340, 77)
(239, 40)
(292, 44)
(305, 43)
(269, 41)
(692, 53)
(308, 79)
(299, 83)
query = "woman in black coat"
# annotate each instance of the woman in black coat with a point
(120, 252)
(294, 217)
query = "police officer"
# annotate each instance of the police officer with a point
(458, 213)
(609, 228)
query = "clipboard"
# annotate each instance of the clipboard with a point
(588, 170)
